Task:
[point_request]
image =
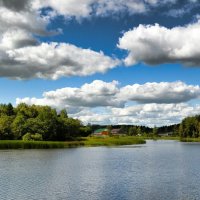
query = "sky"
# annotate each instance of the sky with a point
(104, 61)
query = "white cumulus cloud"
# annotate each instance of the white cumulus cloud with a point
(23, 56)
(95, 94)
(154, 114)
(155, 44)
(163, 92)
(55, 60)
(145, 114)
(103, 94)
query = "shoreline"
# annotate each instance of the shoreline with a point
(86, 142)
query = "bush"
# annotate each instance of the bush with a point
(32, 137)
(27, 137)
(37, 137)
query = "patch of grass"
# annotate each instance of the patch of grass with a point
(18, 144)
(169, 138)
(190, 139)
(161, 138)
(88, 141)
(113, 141)
(73, 144)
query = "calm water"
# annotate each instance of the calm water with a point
(157, 170)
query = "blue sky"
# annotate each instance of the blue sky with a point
(106, 62)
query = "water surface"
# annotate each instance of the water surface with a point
(154, 171)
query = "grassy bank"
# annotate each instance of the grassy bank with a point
(89, 141)
(113, 141)
(176, 138)
(190, 139)
(18, 144)
(161, 138)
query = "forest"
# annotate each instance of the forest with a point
(31, 122)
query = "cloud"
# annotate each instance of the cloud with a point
(103, 94)
(155, 114)
(88, 116)
(18, 5)
(95, 94)
(68, 8)
(16, 38)
(108, 7)
(163, 92)
(23, 56)
(107, 103)
(88, 8)
(39, 61)
(146, 114)
(28, 20)
(183, 7)
(155, 44)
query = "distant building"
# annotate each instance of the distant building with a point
(101, 132)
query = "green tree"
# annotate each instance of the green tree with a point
(133, 130)
(49, 122)
(6, 109)
(5, 127)
(139, 131)
(85, 131)
(190, 127)
(155, 131)
(63, 113)
(10, 110)
(27, 111)
(18, 126)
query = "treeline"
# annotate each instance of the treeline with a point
(38, 123)
(135, 130)
(131, 130)
(188, 128)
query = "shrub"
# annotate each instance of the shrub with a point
(32, 137)
(37, 137)
(27, 137)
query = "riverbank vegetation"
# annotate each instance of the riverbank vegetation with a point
(190, 139)
(113, 141)
(86, 141)
(19, 144)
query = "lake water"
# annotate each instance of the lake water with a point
(157, 170)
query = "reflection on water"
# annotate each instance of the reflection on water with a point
(154, 171)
